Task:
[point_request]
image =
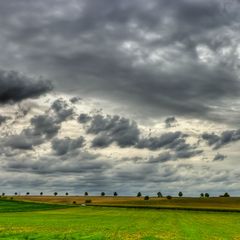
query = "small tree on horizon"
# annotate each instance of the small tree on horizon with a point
(15, 193)
(28, 193)
(41, 193)
(3, 194)
(139, 194)
(115, 194)
(55, 193)
(86, 194)
(202, 195)
(66, 193)
(102, 194)
(159, 194)
(226, 194)
(180, 194)
(146, 198)
(207, 195)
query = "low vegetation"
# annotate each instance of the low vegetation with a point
(99, 223)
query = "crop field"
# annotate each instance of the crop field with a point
(31, 220)
(231, 203)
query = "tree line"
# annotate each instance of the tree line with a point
(139, 194)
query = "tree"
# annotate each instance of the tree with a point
(41, 193)
(169, 197)
(102, 194)
(55, 193)
(159, 194)
(206, 194)
(28, 193)
(3, 194)
(139, 194)
(86, 193)
(202, 195)
(15, 194)
(225, 195)
(66, 193)
(146, 198)
(180, 194)
(115, 194)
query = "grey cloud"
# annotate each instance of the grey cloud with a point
(85, 163)
(163, 157)
(26, 140)
(15, 87)
(19, 142)
(219, 157)
(84, 118)
(63, 146)
(188, 153)
(211, 138)
(74, 99)
(113, 129)
(167, 140)
(3, 119)
(226, 137)
(45, 125)
(170, 122)
(62, 109)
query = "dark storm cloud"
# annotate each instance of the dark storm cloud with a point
(218, 141)
(63, 146)
(140, 53)
(15, 87)
(113, 129)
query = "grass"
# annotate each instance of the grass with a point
(113, 223)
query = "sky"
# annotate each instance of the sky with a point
(119, 95)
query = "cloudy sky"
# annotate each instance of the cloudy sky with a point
(119, 95)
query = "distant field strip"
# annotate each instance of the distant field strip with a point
(22, 206)
(212, 203)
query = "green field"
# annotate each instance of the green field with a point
(21, 220)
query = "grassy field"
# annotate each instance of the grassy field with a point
(89, 222)
(231, 203)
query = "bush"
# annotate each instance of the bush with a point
(146, 198)
(88, 201)
(169, 197)
(74, 202)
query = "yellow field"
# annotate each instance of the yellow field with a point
(208, 203)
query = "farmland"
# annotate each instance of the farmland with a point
(31, 220)
(231, 203)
